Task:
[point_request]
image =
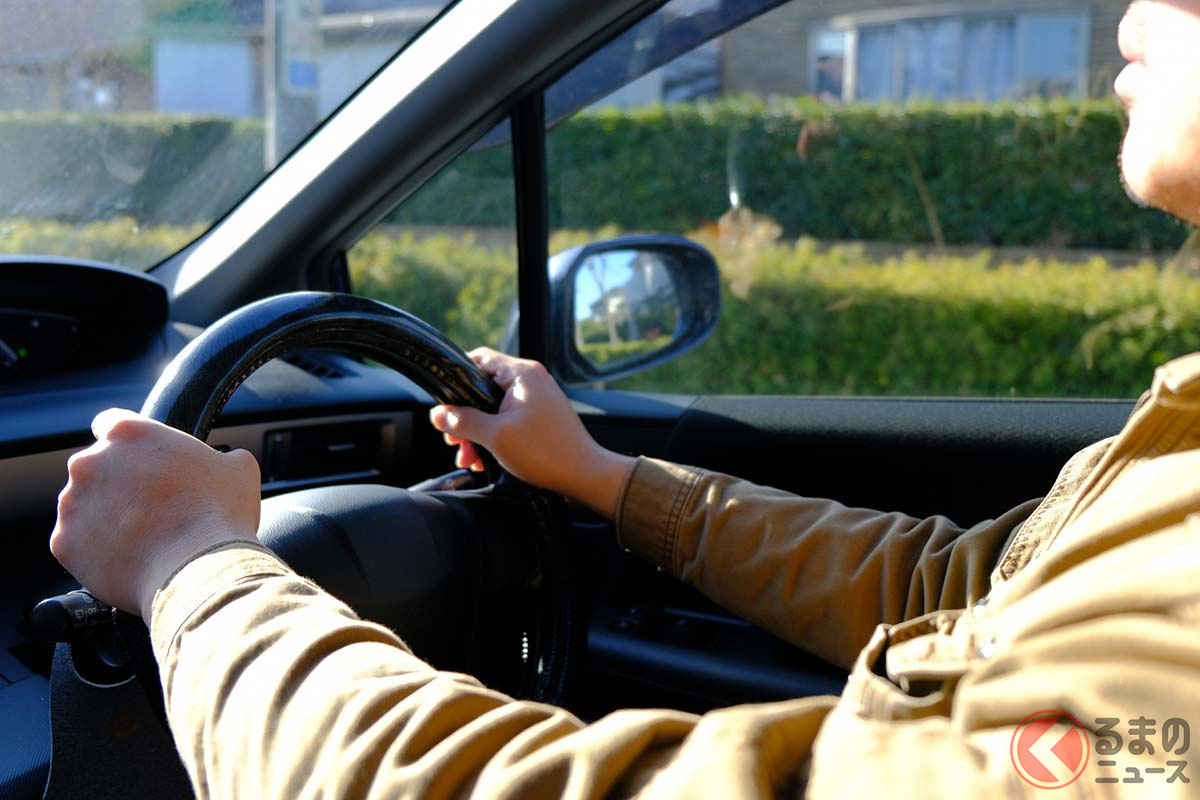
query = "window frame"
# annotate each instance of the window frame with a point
(853, 24)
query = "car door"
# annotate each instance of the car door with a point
(902, 337)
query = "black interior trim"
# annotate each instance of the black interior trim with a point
(724, 679)
(533, 226)
(960, 458)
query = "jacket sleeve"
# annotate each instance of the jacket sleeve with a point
(275, 689)
(814, 572)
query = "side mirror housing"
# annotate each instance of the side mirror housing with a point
(623, 305)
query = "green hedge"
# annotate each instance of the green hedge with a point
(154, 168)
(121, 240)
(809, 319)
(463, 289)
(813, 320)
(803, 318)
(1029, 174)
(602, 353)
(993, 175)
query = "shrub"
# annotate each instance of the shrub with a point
(463, 289)
(155, 168)
(994, 175)
(812, 319)
(817, 320)
(604, 353)
(802, 317)
(119, 241)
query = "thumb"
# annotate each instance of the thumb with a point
(464, 422)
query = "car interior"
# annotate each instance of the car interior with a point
(330, 392)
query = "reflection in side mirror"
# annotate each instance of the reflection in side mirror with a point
(622, 305)
(626, 308)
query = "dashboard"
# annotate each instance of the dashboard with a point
(77, 337)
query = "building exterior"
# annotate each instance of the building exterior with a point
(219, 66)
(187, 56)
(901, 49)
(210, 56)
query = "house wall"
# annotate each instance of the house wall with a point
(769, 55)
(198, 76)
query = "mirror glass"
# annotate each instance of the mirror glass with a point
(626, 307)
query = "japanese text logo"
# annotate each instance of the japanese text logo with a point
(1049, 749)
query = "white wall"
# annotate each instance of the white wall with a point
(197, 76)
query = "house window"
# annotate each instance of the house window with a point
(972, 55)
(827, 64)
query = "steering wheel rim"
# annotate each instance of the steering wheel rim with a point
(198, 383)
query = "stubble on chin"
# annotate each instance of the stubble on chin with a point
(1152, 182)
(1130, 192)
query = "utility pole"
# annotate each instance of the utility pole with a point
(291, 73)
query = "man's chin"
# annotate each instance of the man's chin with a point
(1151, 183)
(1133, 178)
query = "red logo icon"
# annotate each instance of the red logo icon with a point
(1049, 749)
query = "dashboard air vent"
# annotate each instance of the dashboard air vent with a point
(343, 450)
(314, 364)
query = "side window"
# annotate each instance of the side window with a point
(904, 199)
(448, 253)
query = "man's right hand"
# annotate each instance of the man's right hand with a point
(142, 501)
(536, 435)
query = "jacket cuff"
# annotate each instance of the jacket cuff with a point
(653, 500)
(206, 574)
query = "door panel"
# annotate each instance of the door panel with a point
(655, 642)
(966, 459)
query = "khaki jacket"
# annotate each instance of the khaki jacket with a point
(1087, 603)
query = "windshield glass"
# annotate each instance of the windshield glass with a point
(127, 127)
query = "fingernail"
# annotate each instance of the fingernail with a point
(452, 418)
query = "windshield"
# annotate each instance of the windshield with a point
(127, 127)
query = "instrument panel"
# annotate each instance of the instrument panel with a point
(63, 315)
(34, 343)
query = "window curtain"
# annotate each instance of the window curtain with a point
(875, 64)
(989, 60)
(932, 51)
(1052, 51)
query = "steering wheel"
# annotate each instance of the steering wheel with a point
(427, 565)
(475, 581)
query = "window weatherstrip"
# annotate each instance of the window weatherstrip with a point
(533, 226)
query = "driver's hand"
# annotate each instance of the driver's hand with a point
(536, 434)
(142, 501)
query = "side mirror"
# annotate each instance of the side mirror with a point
(625, 304)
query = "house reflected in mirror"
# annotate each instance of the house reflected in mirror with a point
(626, 307)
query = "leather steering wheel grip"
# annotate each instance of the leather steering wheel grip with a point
(198, 383)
